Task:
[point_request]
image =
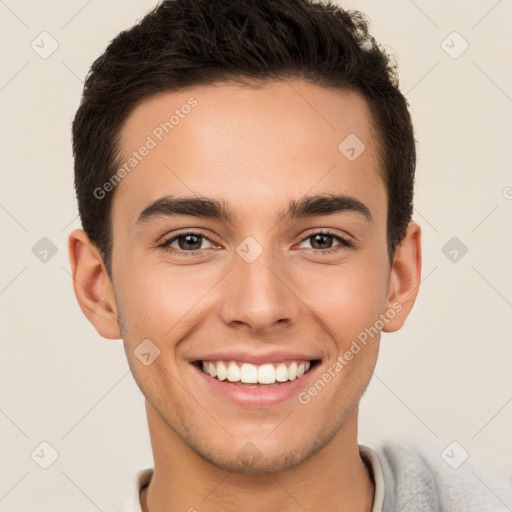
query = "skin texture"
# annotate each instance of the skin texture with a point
(256, 150)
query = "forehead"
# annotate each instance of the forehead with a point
(252, 147)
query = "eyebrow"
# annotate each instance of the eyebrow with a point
(309, 206)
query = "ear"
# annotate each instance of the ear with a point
(405, 278)
(92, 285)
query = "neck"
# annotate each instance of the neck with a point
(334, 478)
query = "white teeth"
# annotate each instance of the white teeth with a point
(266, 374)
(281, 373)
(212, 370)
(292, 371)
(222, 371)
(233, 372)
(248, 373)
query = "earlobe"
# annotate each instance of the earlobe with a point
(405, 278)
(92, 285)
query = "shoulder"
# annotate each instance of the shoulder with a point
(427, 477)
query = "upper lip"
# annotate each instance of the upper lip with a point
(250, 356)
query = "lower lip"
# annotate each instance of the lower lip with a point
(257, 396)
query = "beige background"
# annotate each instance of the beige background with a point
(445, 377)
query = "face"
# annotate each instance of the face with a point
(247, 242)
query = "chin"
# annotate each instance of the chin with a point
(257, 464)
(253, 459)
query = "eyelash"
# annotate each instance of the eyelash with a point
(343, 243)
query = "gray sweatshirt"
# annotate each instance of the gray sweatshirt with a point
(429, 478)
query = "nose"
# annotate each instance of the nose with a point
(259, 296)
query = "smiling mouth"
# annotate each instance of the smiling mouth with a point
(247, 374)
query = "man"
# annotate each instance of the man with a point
(244, 173)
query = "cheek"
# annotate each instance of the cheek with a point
(156, 302)
(348, 298)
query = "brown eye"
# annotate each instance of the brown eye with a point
(326, 242)
(187, 242)
(321, 241)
